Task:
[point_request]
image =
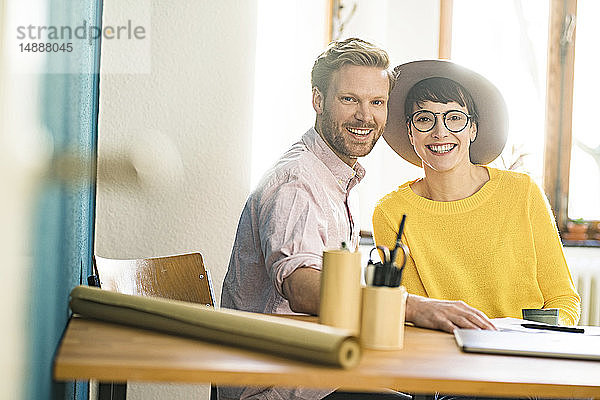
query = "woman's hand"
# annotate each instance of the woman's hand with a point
(445, 315)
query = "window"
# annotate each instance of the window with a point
(506, 43)
(527, 49)
(570, 177)
(584, 176)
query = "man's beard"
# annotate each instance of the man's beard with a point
(336, 136)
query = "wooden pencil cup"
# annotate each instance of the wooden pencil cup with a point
(340, 290)
(383, 311)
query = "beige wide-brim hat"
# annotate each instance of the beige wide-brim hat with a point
(492, 128)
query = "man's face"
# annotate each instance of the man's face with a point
(352, 115)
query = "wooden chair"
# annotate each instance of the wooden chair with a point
(178, 277)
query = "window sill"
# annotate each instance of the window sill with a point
(581, 243)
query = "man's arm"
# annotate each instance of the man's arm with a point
(292, 236)
(302, 288)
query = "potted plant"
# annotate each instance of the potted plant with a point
(594, 231)
(576, 229)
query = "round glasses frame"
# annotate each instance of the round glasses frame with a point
(412, 120)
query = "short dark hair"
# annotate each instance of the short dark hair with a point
(439, 90)
(349, 51)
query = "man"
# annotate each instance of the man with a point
(305, 203)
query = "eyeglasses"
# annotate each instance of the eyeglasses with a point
(454, 120)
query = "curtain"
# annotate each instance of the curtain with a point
(64, 213)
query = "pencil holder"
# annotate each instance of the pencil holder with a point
(383, 311)
(340, 290)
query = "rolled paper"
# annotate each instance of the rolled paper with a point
(340, 290)
(266, 333)
(383, 317)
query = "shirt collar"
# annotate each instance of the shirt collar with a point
(346, 176)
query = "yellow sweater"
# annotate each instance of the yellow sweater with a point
(497, 250)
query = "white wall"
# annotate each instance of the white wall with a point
(283, 95)
(185, 125)
(190, 118)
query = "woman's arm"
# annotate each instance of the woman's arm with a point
(554, 278)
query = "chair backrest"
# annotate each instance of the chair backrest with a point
(179, 277)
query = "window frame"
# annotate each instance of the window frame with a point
(559, 107)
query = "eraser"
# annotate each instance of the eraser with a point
(543, 315)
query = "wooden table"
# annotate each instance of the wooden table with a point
(429, 362)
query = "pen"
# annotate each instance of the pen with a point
(395, 272)
(553, 328)
(398, 239)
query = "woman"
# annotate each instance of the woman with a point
(475, 233)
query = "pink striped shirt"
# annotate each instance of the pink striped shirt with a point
(302, 205)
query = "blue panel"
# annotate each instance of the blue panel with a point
(64, 218)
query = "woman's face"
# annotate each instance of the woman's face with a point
(440, 149)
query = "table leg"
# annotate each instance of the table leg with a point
(112, 391)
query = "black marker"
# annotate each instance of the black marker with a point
(553, 328)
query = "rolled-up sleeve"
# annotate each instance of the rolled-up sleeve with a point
(293, 230)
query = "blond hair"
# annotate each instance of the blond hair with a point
(352, 51)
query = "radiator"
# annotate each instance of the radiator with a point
(584, 264)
